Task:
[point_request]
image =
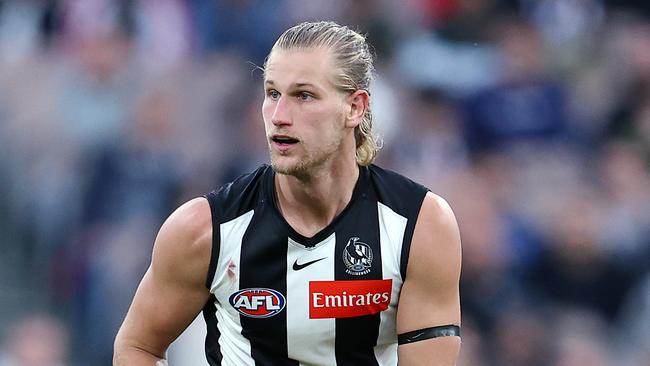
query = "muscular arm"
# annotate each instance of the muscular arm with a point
(172, 291)
(430, 295)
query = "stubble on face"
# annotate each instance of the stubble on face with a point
(311, 158)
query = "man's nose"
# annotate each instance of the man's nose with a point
(282, 112)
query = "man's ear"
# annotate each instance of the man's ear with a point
(359, 102)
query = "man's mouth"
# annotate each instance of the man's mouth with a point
(284, 140)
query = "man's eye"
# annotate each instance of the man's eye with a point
(273, 94)
(304, 96)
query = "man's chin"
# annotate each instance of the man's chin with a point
(286, 169)
(288, 166)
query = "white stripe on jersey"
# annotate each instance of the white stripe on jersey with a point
(235, 348)
(318, 347)
(391, 234)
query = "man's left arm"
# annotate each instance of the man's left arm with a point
(428, 315)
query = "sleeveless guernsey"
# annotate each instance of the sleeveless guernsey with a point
(279, 298)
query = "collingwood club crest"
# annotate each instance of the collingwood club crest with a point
(357, 257)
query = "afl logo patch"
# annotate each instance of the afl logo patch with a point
(257, 302)
(357, 257)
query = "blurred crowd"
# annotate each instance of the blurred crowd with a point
(531, 117)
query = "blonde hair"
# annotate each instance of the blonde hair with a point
(354, 61)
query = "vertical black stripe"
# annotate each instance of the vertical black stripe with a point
(408, 235)
(264, 265)
(216, 238)
(212, 349)
(406, 246)
(357, 337)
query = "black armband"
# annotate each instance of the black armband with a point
(428, 333)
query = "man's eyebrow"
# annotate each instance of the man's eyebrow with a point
(300, 85)
(294, 85)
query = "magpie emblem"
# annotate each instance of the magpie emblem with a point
(357, 257)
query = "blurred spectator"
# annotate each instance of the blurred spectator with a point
(629, 118)
(435, 146)
(243, 122)
(96, 91)
(633, 331)
(521, 338)
(302, 11)
(574, 269)
(569, 28)
(233, 25)
(486, 283)
(427, 61)
(139, 175)
(565, 21)
(79, 111)
(133, 185)
(19, 30)
(581, 339)
(164, 34)
(640, 6)
(36, 340)
(463, 21)
(526, 104)
(119, 254)
(501, 175)
(83, 20)
(449, 49)
(625, 221)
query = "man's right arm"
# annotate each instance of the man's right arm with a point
(172, 291)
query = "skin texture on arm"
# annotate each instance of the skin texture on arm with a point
(430, 294)
(172, 291)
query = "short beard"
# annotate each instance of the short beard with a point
(303, 168)
(299, 169)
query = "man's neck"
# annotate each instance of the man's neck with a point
(311, 203)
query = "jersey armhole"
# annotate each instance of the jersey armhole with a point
(216, 239)
(408, 236)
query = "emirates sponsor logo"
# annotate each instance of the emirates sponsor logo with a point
(347, 299)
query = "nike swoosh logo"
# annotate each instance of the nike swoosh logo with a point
(298, 267)
(416, 336)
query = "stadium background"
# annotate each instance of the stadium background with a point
(531, 117)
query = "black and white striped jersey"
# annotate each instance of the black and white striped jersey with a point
(279, 298)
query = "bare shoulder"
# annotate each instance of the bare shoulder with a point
(184, 242)
(172, 291)
(436, 233)
(436, 211)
